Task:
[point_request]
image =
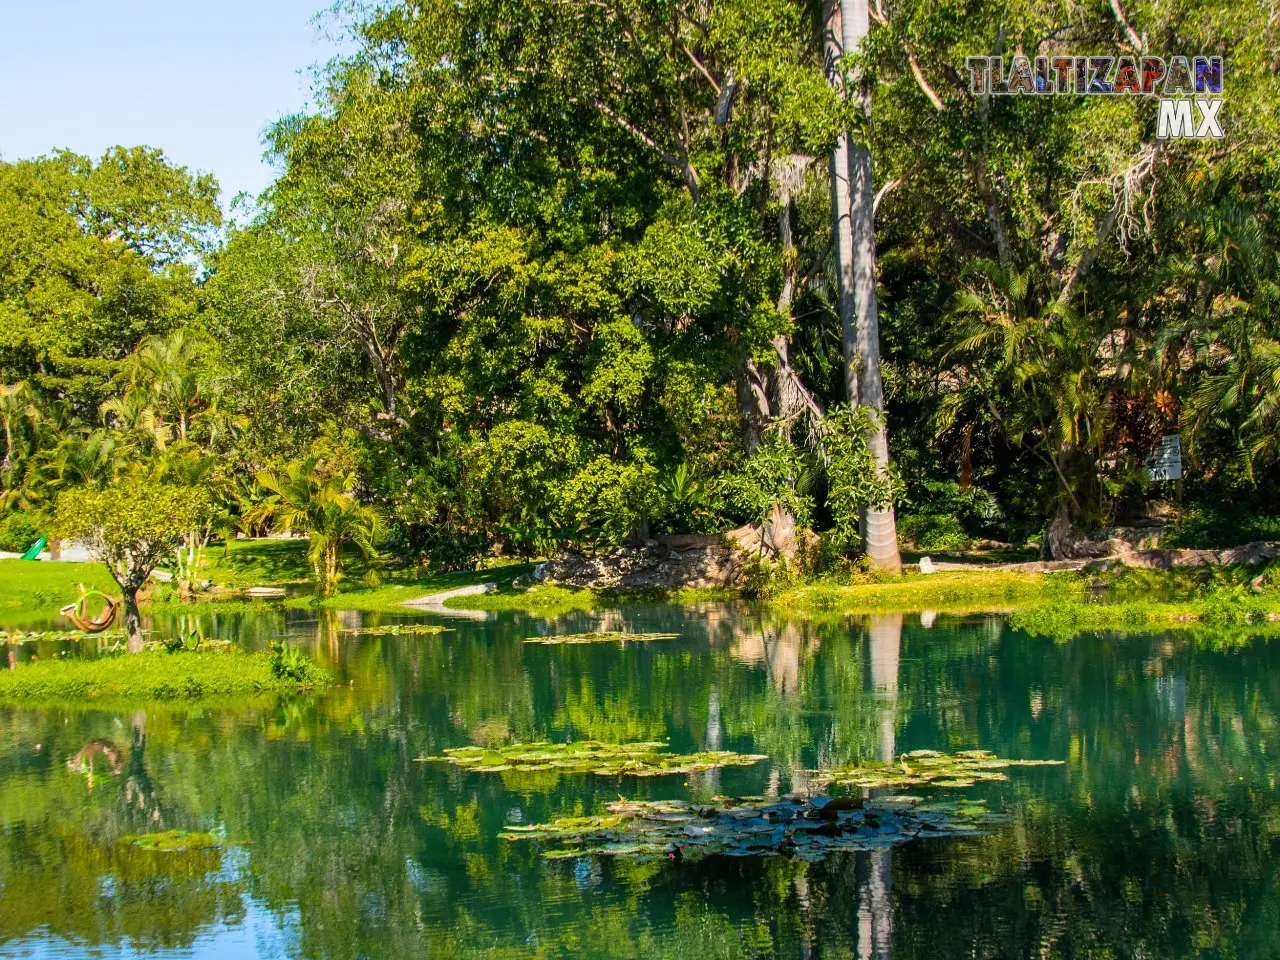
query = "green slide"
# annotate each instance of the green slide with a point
(34, 550)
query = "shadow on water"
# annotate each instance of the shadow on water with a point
(1159, 837)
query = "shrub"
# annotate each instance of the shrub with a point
(616, 498)
(17, 532)
(934, 532)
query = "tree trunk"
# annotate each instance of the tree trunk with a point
(132, 618)
(841, 204)
(879, 526)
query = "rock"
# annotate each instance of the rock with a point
(1059, 538)
(684, 560)
(926, 565)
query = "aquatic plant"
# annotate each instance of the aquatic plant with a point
(288, 662)
(804, 829)
(591, 756)
(927, 768)
(18, 637)
(397, 630)
(603, 636)
(173, 841)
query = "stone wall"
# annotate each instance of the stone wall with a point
(672, 562)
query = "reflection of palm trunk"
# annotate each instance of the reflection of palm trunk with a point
(885, 636)
(875, 905)
(714, 739)
(875, 869)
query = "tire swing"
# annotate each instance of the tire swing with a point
(78, 614)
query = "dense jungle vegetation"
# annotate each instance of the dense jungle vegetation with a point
(545, 274)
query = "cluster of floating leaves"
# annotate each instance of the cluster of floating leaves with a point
(591, 756)
(804, 829)
(45, 636)
(927, 768)
(396, 630)
(600, 637)
(173, 841)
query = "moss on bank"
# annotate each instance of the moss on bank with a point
(152, 675)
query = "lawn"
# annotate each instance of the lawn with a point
(31, 591)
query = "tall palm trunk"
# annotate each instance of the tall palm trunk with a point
(853, 202)
(841, 203)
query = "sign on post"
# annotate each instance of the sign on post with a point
(1165, 461)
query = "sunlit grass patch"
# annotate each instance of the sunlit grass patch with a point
(152, 675)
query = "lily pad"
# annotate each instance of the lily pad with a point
(600, 637)
(645, 759)
(928, 768)
(173, 841)
(396, 630)
(809, 829)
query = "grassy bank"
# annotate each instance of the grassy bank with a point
(1058, 604)
(153, 675)
(977, 591)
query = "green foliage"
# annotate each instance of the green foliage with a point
(173, 841)
(98, 255)
(17, 532)
(618, 499)
(132, 525)
(309, 499)
(289, 663)
(777, 475)
(854, 482)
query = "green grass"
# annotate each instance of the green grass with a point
(152, 675)
(35, 590)
(546, 600)
(258, 563)
(978, 591)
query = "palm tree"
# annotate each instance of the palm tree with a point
(847, 23)
(20, 417)
(170, 367)
(303, 498)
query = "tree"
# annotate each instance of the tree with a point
(132, 526)
(96, 256)
(304, 498)
(853, 214)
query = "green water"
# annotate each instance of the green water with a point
(1160, 837)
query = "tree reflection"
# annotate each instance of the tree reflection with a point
(1159, 837)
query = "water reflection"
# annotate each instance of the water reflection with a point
(1160, 837)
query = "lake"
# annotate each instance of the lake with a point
(1158, 837)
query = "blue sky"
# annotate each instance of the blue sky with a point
(199, 80)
